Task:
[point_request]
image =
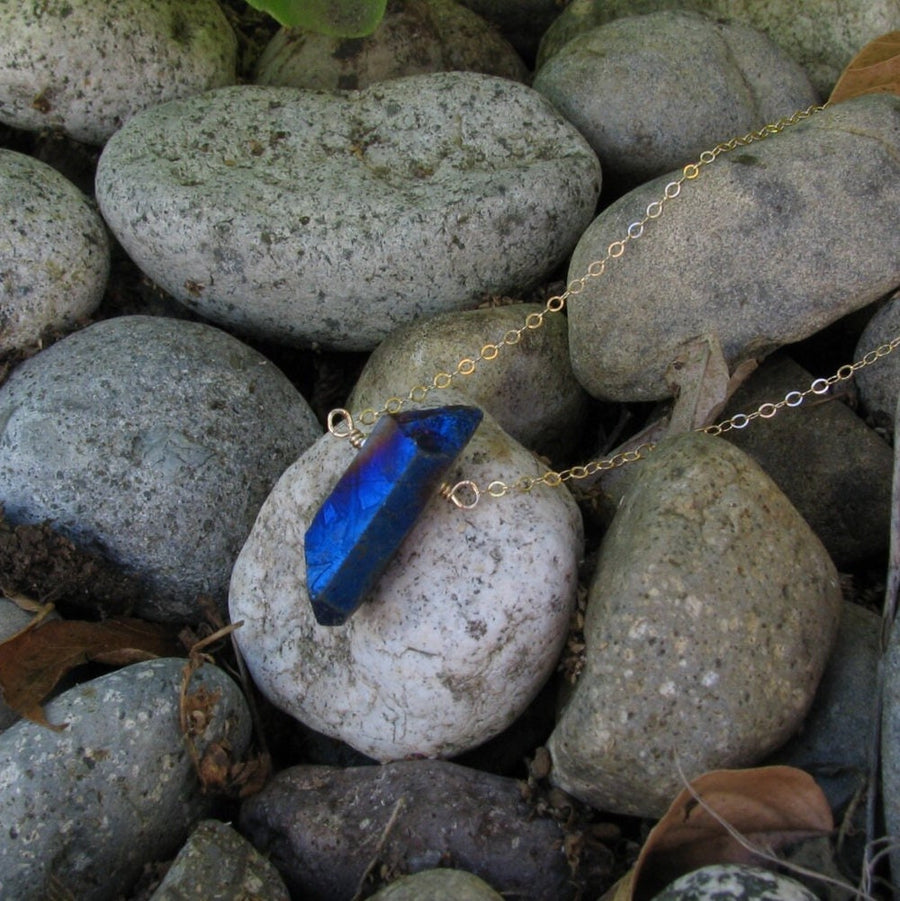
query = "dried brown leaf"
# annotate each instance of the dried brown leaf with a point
(769, 806)
(699, 378)
(874, 70)
(34, 660)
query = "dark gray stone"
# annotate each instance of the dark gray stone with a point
(879, 384)
(155, 441)
(331, 218)
(767, 246)
(86, 807)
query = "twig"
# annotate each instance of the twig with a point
(382, 841)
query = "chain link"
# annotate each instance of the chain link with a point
(467, 493)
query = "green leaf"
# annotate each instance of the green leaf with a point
(338, 18)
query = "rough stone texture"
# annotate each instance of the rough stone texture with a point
(879, 385)
(435, 885)
(650, 93)
(88, 806)
(409, 816)
(735, 882)
(890, 742)
(154, 441)
(323, 218)
(834, 742)
(529, 389)
(831, 466)
(822, 35)
(415, 37)
(54, 252)
(462, 630)
(218, 864)
(769, 245)
(709, 621)
(85, 66)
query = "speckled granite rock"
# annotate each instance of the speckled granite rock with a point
(709, 621)
(822, 35)
(438, 885)
(414, 37)
(711, 79)
(82, 67)
(529, 389)
(54, 252)
(735, 882)
(88, 806)
(831, 466)
(463, 629)
(879, 385)
(410, 816)
(769, 245)
(218, 864)
(154, 441)
(331, 219)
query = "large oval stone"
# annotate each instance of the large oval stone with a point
(767, 246)
(461, 631)
(85, 68)
(316, 218)
(709, 621)
(54, 252)
(154, 441)
(88, 806)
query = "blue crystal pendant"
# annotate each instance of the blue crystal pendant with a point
(373, 507)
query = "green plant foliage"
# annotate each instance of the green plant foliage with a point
(338, 18)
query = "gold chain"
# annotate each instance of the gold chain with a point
(466, 494)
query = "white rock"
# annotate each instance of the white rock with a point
(85, 67)
(463, 629)
(310, 217)
(709, 622)
(54, 252)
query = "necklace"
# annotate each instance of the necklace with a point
(402, 461)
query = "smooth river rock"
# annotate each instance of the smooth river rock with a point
(711, 79)
(86, 807)
(529, 388)
(323, 826)
(461, 632)
(770, 244)
(54, 252)
(710, 618)
(822, 35)
(879, 384)
(316, 218)
(414, 37)
(85, 67)
(154, 441)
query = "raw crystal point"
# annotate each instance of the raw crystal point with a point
(362, 523)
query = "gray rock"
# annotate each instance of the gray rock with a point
(218, 864)
(650, 93)
(769, 245)
(734, 882)
(414, 37)
(834, 742)
(529, 389)
(709, 621)
(438, 885)
(86, 807)
(890, 743)
(831, 466)
(823, 38)
(522, 22)
(54, 252)
(348, 214)
(72, 65)
(404, 817)
(879, 384)
(462, 630)
(155, 441)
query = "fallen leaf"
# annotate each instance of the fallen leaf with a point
(34, 660)
(874, 70)
(770, 807)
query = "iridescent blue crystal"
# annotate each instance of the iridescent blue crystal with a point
(362, 523)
